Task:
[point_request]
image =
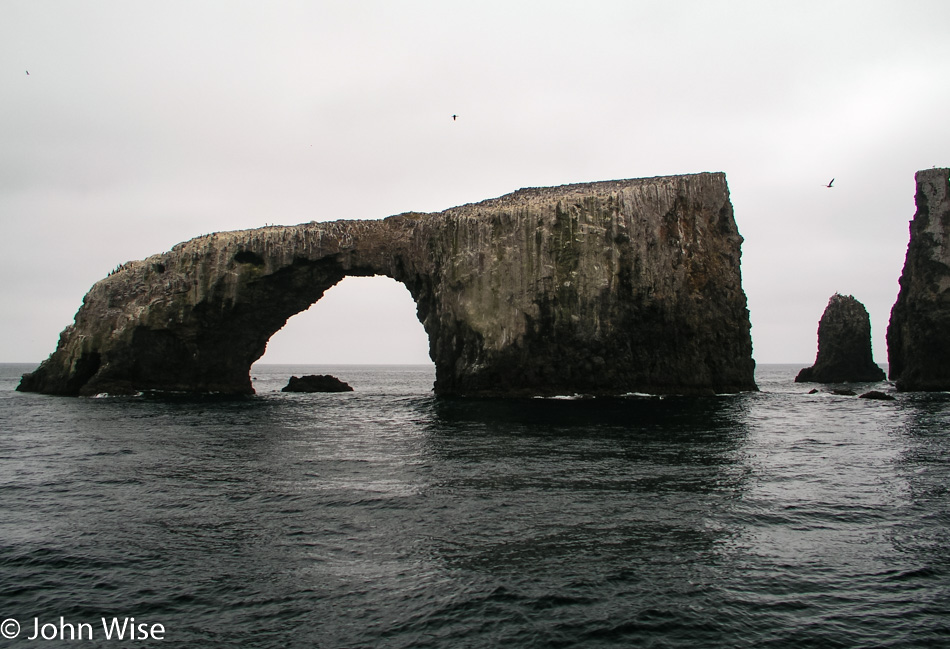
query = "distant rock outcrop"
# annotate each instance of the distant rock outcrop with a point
(844, 345)
(601, 288)
(316, 383)
(918, 335)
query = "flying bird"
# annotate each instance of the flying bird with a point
(27, 73)
(829, 184)
(454, 117)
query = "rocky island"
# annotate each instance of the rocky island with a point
(600, 288)
(918, 335)
(844, 345)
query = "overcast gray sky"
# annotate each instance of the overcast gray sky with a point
(143, 124)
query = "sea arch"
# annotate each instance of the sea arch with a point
(598, 288)
(194, 319)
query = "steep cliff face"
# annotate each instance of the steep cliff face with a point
(599, 288)
(918, 335)
(844, 345)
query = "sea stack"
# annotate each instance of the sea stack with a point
(844, 345)
(602, 288)
(918, 335)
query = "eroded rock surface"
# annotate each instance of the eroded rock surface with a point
(844, 345)
(918, 335)
(599, 288)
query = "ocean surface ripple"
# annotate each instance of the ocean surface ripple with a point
(385, 517)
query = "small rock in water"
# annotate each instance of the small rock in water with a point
(877, 394)
(844, 392)
(316, 383)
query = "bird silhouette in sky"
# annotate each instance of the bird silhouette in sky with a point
(829, 184)
(454, 117)
(27, 73)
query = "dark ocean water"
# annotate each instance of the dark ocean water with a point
(387, 518)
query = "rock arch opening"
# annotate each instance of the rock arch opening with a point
(360, 320)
